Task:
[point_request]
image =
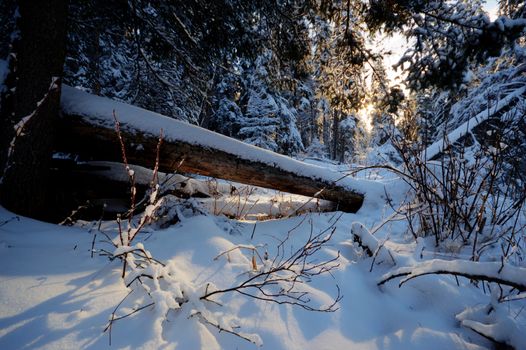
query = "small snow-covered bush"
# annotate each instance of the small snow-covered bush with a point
(460, 198)
(281, 278)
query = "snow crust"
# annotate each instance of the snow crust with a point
(56, 297)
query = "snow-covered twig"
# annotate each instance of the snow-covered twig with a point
(115, 318)
(481, 271)
(371, 245)
(247, 247)
(125, 240)
(494, 322)
(21, 125)
(252, 338)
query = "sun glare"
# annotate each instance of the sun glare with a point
(365, 116)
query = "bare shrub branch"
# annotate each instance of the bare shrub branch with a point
(278, 279)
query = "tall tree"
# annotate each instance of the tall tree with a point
(340, 56)
(30, 104)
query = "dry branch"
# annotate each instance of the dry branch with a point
(279, 279)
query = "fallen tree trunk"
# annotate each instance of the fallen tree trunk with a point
(475, 125)
(88, 129)
(102, 188)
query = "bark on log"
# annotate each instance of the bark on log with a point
(101, 188)
(95, 137)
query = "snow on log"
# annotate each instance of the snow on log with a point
(483, 271)
(89, 130)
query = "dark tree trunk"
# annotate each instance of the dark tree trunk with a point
(31, 109)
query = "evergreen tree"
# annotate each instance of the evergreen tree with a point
(448, 37)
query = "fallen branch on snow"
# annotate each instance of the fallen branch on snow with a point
(493, 321)
(373, 247)
(482, 271)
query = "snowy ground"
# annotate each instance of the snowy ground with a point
(54, 295)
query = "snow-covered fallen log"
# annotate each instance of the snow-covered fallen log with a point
(176, 183)
(89, 130)
(483, 271)
(370, 244)
(107, 183)
(469, 126)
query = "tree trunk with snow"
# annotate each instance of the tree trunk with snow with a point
(30, 107)
(98, 142)
(88, 129)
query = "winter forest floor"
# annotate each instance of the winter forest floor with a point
(55, 295)
(426, 99)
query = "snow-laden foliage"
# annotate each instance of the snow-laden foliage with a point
(189, 60)
(270, 123)
(8, 17)
(251, 110)
(489, 85)
(8, 32)
(197, 62)
(381, 149)
(488, 116)
(346, 133)
(317, 150)
(109, 57)
(269, 120)
(448, 37)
